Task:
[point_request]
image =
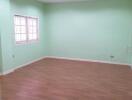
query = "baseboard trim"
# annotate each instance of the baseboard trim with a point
(88, 60)
(20, 66)
(65, 58)
(131, 66)
(9, 71)
(0, 74)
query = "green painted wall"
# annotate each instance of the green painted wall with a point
(14, 55)
(92, 30)
(29, 52)
(0, 56)
(5, 34)
(0, 48)
(130, 46)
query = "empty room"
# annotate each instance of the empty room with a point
(66, 50)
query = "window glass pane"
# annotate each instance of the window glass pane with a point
(23, 37)
(17, 29)
(23, 29)
(23, 21)
(26, 28)
(18, 37)
(34, 36)
(34, 22)
(34, 30)
(30, 22)
(30, 36)
(17, 21)
(30, 29)
(20, 28)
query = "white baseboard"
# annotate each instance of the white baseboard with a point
(66, 58)
(8, 71)
(0, 74)
(131, 66)
(88, 60)
(23, 65)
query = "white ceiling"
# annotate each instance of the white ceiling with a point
(60, 1)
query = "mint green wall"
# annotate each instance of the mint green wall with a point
(14, 55)
(130, 46)
(5, 34)
(92, 30)
(29, 52)
(0, 47)
(0, 56)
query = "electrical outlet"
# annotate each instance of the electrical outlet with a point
(13, 56)
(112, 57)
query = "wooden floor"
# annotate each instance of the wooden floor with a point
(53, 79)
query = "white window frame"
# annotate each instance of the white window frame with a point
(27, 33)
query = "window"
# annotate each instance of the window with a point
(26, 29)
